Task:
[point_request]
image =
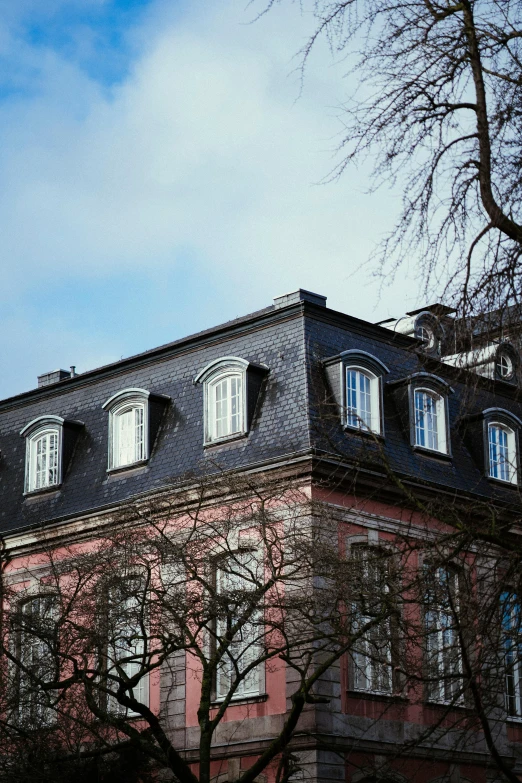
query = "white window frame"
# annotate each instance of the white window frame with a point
(235, 412)
(355, 412)
(245, 649)
(136, 403)
(43, 427)
(442, 644)
(441, 444)
(505, 467)
(224, 370)
(43, 469)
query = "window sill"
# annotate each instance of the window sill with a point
(424, 451)
(502, 483)
(447, 705)
(363, 431)
(242, 700)
(124, 471)
(378, 696)
(238, 436)
(516, 719)
(35, 494)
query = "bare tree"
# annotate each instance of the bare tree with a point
(436, 105)
(217, 583)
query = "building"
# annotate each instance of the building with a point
(301, 388)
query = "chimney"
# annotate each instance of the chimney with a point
(299, 296)
(52, 377)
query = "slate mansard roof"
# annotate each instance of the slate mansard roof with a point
(291, 338)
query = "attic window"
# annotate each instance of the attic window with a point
(134, 416)
(231, 386)
(355, 378)
(49, 444)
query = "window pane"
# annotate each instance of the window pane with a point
(499, 463)
(126, 644)
(129, 436)
(426, 423)
(444, 664)
(236, 580)
(372, 656)
(358, 399)
(226, 407)
(512, 642)
(43, 461)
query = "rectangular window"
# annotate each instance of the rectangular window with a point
(371, 621)
(426, 423)
(37, 643)
(241, 618)
(128, 435)
(126, 643)
(226, 406)
(501, 461)
(443, 657)
(512, 643)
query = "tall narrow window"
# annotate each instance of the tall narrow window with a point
(362, 399)
(126, 643)
(241, 622)
(358, 399)
(372, 621)
(502, 453)
(443, 658)
(226, 406)
(43, 460)
(37, 644)
(430, 421)
(129, 435)
(512, 641)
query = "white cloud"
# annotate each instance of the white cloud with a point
(203, 151)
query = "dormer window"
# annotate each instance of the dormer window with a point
(430, 420)
(132, 428)
(231, 388)
(355, 378)
(49, 444)
(422, 401)
(502, 452)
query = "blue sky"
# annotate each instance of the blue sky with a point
(158, 175)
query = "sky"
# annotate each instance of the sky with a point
(162, 170)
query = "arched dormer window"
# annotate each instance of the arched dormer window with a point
(130, 431)
(356, 380)
(231, 387)
(502, 445)
(422, 400)
(49, 444)
(492, 437)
